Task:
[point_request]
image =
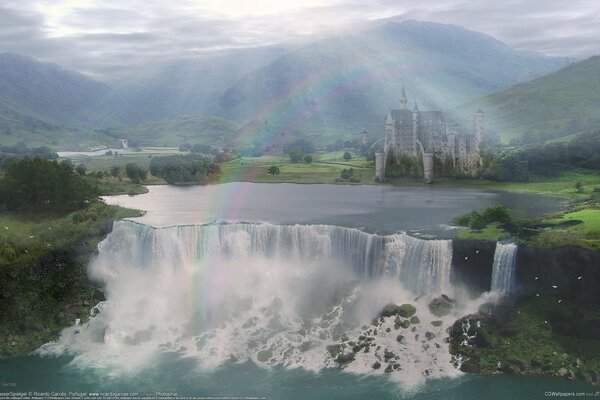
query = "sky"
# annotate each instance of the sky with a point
(106, 38)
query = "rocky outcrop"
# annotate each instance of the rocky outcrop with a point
(472, 262)
(568, 273)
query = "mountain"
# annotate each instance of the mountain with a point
(556, 105)
(338, 86)
(328, 89)
(46, 91)
(175, 88)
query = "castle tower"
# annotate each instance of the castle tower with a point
(364, 137)
(415, 128)
(428, 167)
(479, 127)
(379, 167)
(403, 99)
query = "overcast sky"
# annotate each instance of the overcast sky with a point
(105, 38)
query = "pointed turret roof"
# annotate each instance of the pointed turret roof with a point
(403, 92)
(416, 107)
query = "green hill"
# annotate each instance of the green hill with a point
(556, 105)
(177, 130)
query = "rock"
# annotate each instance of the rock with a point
(429, 335)
(388, 330)
(441, 306)
(334, 349)
(356, 349)
(345, 358)
(99, 295)
(517, 363)
(437, 323)
(401, 339)
(486, 308)
(415, 320)
(389, 369)
(401, 323)
(264, 355)
(376, 365)
(388, 355)
(405, 310)
(536, 363)
(562, 372)
(483, 338)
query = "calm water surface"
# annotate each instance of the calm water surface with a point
(385, 209)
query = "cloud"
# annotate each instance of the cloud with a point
(109, 38)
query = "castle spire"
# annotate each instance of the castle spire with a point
(416, 107)
(403, 99)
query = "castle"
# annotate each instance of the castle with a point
(425, 133)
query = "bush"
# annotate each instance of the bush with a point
(308, 159)
(497, 213)
(347, 173)
(477, 221)
(347, 156)
(273, 170)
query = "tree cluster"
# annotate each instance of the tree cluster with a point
(38, 185)
(543, 160)
(182, 170)
(478, 220)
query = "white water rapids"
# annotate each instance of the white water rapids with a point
(271, 294)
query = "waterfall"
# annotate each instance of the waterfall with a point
(503, 271)
(274, 294)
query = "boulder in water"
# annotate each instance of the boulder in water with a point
(376, 365)
(345, 358)
(415, 320)
(437, 323)
(334, 349)
(441, 306)
(405, 310)
(264, 355)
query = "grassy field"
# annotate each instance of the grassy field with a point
(141, 158)
(325, 169)
(491, 232)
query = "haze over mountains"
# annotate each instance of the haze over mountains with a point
(327, 89)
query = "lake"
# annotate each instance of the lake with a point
(421, 210)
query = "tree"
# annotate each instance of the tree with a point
(347, 156)
(135, 173)
(308, 159)
(81, 169)
(38, 185)
(578, 186)
(296, 155)
(115, 170)
(273, 170)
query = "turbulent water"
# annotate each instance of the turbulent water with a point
(503, 270)
(269, 294)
